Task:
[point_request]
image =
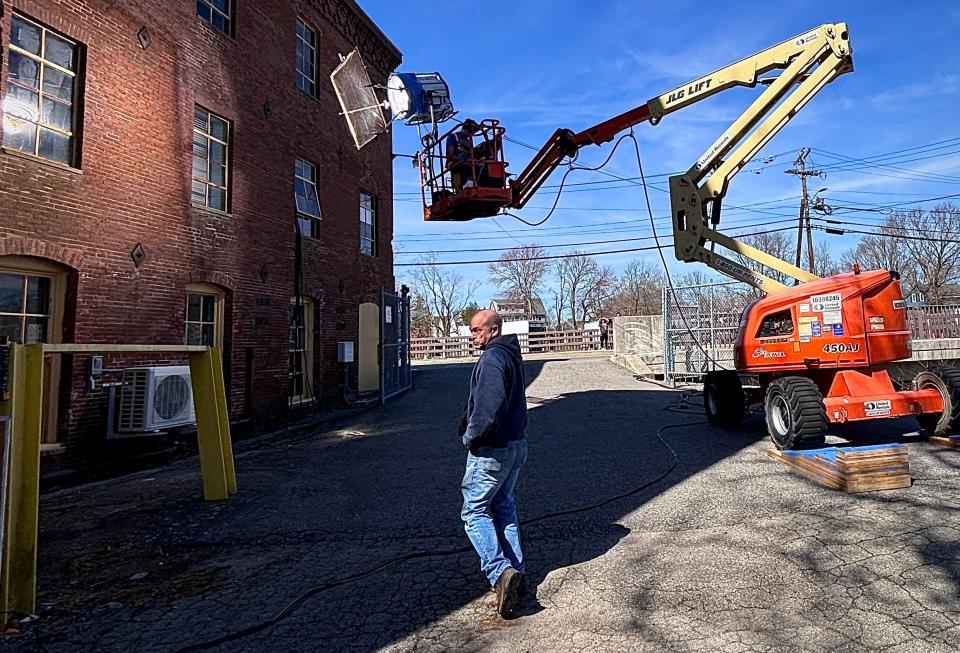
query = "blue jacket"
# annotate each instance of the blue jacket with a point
(497, 407)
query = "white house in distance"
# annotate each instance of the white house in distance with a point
(519, 310)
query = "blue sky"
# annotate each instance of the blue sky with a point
(538, 65)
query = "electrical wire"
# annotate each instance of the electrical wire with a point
(568, 230)
(791, 219)
(588, 229)
(298, 601)
(570, 168)
(663, 260)
(948, 241)
(567, 255)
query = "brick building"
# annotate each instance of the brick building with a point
(158, 161)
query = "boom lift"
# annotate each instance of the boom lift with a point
(818, 348)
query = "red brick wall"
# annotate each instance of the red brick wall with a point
(133, 186)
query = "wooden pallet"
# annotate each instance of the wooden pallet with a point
(532, 402)
(852, 469)
(952, 441)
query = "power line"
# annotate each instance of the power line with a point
(573, 230)
(522, 246)
(898, 236)
(606, 229)
(567, 255)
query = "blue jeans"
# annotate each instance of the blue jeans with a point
(489, 511)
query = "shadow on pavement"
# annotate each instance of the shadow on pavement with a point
(141, 564)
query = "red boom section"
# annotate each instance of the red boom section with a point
(565, 143)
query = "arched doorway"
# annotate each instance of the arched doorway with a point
(32, 308)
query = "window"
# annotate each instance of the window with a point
(32, 301)
(211, 135)
(308, 204)
(38, 112)
(25, 307)
(368, 224)
(301, 350)
(217, 13)
(776, 324)
(204, 323)
(306, 58)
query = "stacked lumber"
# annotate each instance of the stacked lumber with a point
(852, 469)
(952, 441)
(533, 402)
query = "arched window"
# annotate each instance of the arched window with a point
(204, 318)
(32, 298)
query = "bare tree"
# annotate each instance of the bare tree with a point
(601, 286)
(884, 251)
(446, 292)
(576, 275)
(638, 290)
(520, 272)
(422, 322)
(559, 306)
(824, 265)
(776, 243)
(933, 241)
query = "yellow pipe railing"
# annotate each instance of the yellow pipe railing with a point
(24, 409)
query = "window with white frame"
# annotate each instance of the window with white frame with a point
(368, 224)
(204, 318)
(301, 350)
(39, 111)
(308, 202)
(217, 13)
(211, 137)
(306, 58)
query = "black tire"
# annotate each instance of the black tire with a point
(947, 381)
(796, 416)
(723, 398)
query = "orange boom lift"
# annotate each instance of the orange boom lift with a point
(818, 348)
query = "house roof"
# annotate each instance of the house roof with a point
(519, 305)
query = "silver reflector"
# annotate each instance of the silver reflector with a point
(358, 100)
(419, 98)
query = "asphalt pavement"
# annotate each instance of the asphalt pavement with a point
(673, 536)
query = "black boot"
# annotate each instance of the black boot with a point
(506, 587)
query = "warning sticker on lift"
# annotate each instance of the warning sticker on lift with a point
(804, 308)
(830, 306)
(826, 302)
(815, 330)
(876, 323)
(876, 408)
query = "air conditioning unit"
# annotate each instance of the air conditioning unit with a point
(154, 398)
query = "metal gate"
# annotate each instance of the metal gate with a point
(700, 325)
(395, 372)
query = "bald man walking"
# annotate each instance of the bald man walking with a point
(493, 434)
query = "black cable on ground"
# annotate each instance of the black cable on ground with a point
(291, 607)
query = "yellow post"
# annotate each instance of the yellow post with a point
(213, 467)
(226, 442)
(25, 408)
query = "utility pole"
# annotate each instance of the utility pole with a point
(802, 172)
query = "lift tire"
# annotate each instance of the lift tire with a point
(795, 413)
(947, 381)
(723, 398)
